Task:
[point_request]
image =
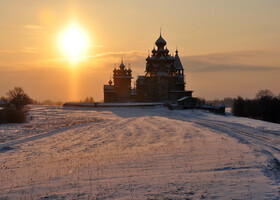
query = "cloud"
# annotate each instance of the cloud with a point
(195, 66)
(109, 60)
(33, 27)
(7, 51)
(238, 61)
(29, 50)
(232, 61)
(106, 57)
(129, 55)
(23, 50)
(33, 31)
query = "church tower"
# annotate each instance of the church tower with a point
(120, 89)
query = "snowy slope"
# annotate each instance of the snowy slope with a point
(134, 153)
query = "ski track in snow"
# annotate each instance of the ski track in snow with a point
(134, 153)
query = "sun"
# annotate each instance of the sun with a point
(74, 43)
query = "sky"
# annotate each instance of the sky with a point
(228, 48)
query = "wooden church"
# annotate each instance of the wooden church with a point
(164, 79)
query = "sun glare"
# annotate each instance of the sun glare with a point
(73, 43)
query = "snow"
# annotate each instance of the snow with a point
(45, 119)
(127, 104)
(138, 153)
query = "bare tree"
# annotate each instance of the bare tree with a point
(264, 94)
(18, 98)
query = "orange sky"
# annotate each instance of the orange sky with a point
(228, 48)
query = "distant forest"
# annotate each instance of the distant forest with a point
(227, 101)
(265, 106)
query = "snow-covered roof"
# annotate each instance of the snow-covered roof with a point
(183, 98)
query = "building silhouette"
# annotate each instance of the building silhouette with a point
(120, 89)
(164, 79)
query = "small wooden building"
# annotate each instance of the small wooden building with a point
(187, 102)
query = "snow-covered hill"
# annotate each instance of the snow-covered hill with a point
(138, 153)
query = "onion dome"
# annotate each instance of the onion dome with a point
(160, 42)
(154, 51)
(122, 66)
(129, 69)
(110, 82)
(166, 51)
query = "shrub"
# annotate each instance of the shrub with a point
(10, 115)
(17, 109)
(200, 101)
(88, 100)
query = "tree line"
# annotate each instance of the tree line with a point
(265, 106)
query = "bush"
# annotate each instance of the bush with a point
(10, 115)
(17, 109)
(200, 101)
(87, 100)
